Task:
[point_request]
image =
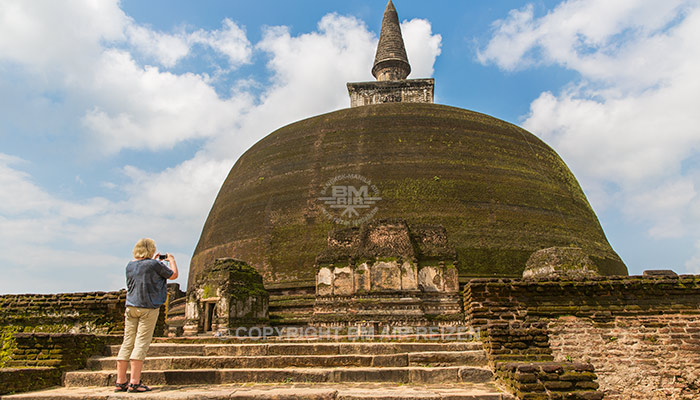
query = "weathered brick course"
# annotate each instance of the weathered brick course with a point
(97, 312)
(87, 312)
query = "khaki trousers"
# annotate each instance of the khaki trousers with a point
(139, 324)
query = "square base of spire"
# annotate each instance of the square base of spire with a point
(403, 91)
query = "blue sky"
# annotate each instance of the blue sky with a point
(121, 119)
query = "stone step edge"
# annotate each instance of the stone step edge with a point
(212, 342)
(263, 356)
(252, 342)
(341, 347)
(415, 375)
(465, 336)
(425, 359)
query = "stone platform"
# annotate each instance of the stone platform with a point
(303, 391)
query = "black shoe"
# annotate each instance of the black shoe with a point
(138, 388)
(121, 387)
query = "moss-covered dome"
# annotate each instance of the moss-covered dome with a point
(499, 191)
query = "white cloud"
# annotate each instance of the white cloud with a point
(629, 126)
(603, 40)
(124, 104)
(128, 105)
(76, 29)
(693, 264)
(231, 41)
(422, 47)
(165, 48)
(146, 108)
(310, 71)
(74, 245)
(168, 49)
(184, 191)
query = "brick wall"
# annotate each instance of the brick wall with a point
(38, 360)
(650, 357)
(67, 351)
(14, 380)
(551, 380)
(639, 334)
(89, 312)
(98, 312)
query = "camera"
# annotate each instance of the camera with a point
(162, 256)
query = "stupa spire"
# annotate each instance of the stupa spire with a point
(391, 68)
(390, 62)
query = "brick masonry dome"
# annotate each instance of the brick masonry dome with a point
(499, 192)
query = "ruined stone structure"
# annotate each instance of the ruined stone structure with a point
(387, 274)
(229, 295)
(569, 263)
(391, 68)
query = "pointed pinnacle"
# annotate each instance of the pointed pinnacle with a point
(391, 61)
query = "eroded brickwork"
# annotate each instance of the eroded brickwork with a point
(64, 350)
(639, 334)
(85, 312)
(24, 379)
(652, 357)
(95, 312)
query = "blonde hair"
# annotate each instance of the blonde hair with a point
(144, 248)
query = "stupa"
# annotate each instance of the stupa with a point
(497, 192)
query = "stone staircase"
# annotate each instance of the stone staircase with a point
(291, 309)
(215, 368)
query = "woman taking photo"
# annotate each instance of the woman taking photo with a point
(146, 282)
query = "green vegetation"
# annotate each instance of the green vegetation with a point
(7, 344)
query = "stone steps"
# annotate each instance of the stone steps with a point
(306, 367)
(412, 375)
(211, 362)
(164, 349)
(445, 358)
(364, 391)
(291, 309)
(292, 301)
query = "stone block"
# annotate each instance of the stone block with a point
(660, 273)
(324, 282)
(409, 276)
(558, 385)
(526, 378)
(433, 375)
(451, 278)
(587, 385)
(363, 280)
(569, 263)
(385, 276)
(475, 375)
(343, 281)
(430, 279)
